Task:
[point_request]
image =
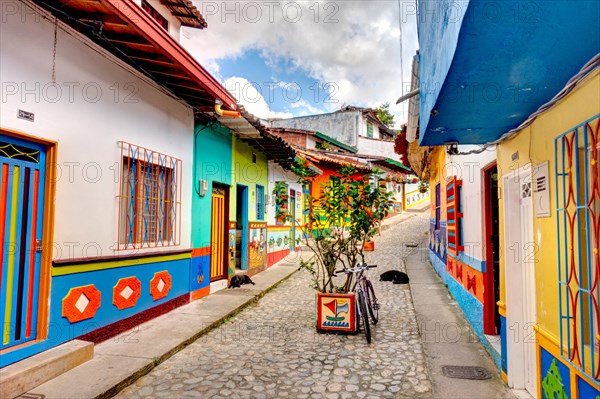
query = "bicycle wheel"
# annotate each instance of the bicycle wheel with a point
(362, 310)
(372, 302)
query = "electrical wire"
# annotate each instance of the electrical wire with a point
(592, 64)
(91, 29)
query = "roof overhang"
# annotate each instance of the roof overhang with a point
(128, 32)
(485, 66)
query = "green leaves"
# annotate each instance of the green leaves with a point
(340, 221)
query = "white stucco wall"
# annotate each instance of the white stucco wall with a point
(277, 173)
(469, 170)
(368, 146)
(342, 126)
(100, 103)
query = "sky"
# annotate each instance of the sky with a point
(293, 58)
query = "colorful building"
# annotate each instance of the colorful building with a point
(534, 154)
(95, 216)
(284, 236)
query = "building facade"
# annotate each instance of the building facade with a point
(95, 160)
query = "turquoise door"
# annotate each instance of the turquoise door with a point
(21, 206)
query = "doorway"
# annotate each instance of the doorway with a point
(520, 280)
(22, 186)
(241, 227)
(218, 240)
(491, 277)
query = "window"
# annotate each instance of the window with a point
(260, 202)
(150, 199)
(369, 129)
(162, 21)
(454, 215)
(577, 157)
(438, 204)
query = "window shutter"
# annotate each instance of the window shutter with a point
(454, 215)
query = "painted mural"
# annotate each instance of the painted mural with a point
(257, 254)
(231, 242)
(336, 312)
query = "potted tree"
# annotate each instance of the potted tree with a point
(341, 221)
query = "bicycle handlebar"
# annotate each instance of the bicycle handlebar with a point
(355, 269)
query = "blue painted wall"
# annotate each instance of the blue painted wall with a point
(438, 265)
(199, 272)
(61, 330)
(504, 354)
(511, 58)
(546, 361)
(439, 25)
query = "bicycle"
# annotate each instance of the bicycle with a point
(364, 297)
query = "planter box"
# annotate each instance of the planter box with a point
(369, 246)
(336, 312)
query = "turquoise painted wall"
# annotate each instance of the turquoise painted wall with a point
(213, 162)
(249, 174)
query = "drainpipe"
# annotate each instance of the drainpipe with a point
(221, 112)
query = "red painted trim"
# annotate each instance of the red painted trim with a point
(489, 324)
(274, 257)
(204, 251)
(121, 326)
(155, 34)
(36, 178)
(202, 292)
(3, 207)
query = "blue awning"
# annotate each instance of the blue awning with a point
(486, 65)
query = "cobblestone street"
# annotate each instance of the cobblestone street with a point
(271, 349)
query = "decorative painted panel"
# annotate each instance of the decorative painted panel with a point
(257, 248)
(81, 303)
(160, 285)
(555, 377)
(232, 242)
(336, 312)
(126, 293)
(437, 239)
(577, 163)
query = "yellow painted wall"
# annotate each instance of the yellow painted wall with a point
(438, 175)
(249, 174)
(535, 145)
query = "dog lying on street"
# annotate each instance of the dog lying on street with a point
(395, 276)
(240, 279)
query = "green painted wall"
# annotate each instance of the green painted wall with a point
(247, 173)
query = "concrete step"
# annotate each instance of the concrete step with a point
(27, 374)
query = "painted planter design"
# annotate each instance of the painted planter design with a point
(81, 303)
(336, 312)
(369, 246)
(126, 292)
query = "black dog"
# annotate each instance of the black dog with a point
(238, 280)
(395, 276)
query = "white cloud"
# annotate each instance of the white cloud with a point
(251, 97)
(353, 45)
